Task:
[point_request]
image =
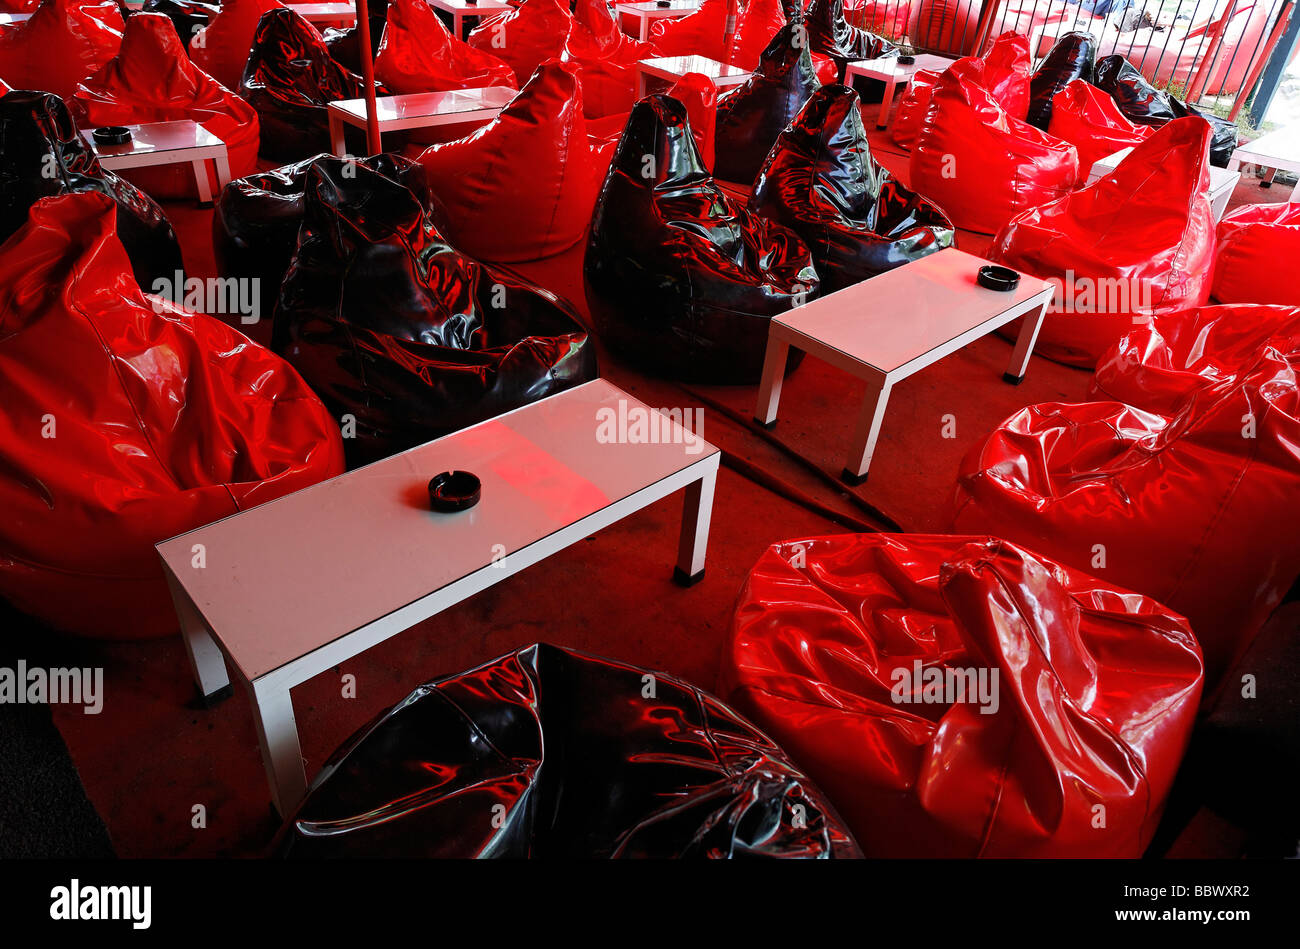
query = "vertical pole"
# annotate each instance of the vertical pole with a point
(1277, 63)
(373, 146)
(1261, 60)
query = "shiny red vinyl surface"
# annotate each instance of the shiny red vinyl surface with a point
(526, 36)
(221, 48)
(1258, 245)
(152, 80)
(127, 421)
(527, 180)
(63, 42)
(419, 54)
(1089, 120)
(606, 58)
(963, 697)
(1136, 243)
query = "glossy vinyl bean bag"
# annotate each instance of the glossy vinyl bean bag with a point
(63, 42)
(526, 36)
(290, 79)
(344, 42)
(756, 24)
(695, 91)
(606, 58)
(821, 182)
(1144, 104)
(1070, 58)
(1159, 365)
(1195, 508)
(189, 17)
(525, 183)
(1090, 120)
(419, 54)
(152, 80)
(947, 27)
(42, 154)
(855, 653)
(1258, 247)
(221, 48)
(696, 34)
(982, 164)
(551, 753)
(126, 421)
(256, 220)
(1005, 76)
(1137, 243)
(397, 329)
(830, 35)
(679, 278)
(888, 17)
(753, 114)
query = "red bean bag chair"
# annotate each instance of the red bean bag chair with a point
(152, 80)
(221, 48)
(694, 90)
(127, 421)
(1090, 120)
(697, 34)
(872, 660)
(419, 54)
(526, 36)
(525, 183)
(944, 26)
(1137, 243)
(1159, 365)
(887, 17)
(1259, 245)
(1006, 77)
(606, 58)
(980, 162)
(63, 42)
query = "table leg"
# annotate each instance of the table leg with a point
(458, 25)
(640, 84)
(201, 179)
(645, 28)
(337, 141)
(1234, 163)
(1030, 324)
(277, 736)
(887, 103)
(769, 389)
(697, 509)
(222, 162)
(206, 661)
(868, 430)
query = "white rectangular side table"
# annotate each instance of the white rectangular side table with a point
(420, 110)
(344, 14)
(298, 585)
(886, 328)
(460, 9)
(672, 68)
(893, 74)
(645, 13)
(168, 143)
(1278, 151)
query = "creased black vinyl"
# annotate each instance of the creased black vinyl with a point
(1144, 104)
(290, 79)
(752, 115)
(43, 154)
(550, 753)
(679, 278)
(821, 181)
(1070, 58)
(255, 225)
(394, 327)
(188, 16)
(344, 43)
(831, 35)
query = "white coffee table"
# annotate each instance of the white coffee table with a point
(647, 12)
(886, 328)
(1278, 150)
(420, 110)
(893, 74)
(459, 9)
(1222, 181)
(303, 583)
(8, 18)
(672, 68)
(341, 13)
(168, 143)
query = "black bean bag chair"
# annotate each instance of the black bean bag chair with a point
(188, 16)
(831, 35)
(550, 753)
(1070, 58)
(394, 327)
(344, 42)
(1144, 104)
(43, 154)
(256, 220)
(752, 115)
(821, 182)
(290, 79)
(679, 278)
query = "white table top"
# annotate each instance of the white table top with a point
(462, 6)
(1220, 178)
(887, 66)
(1277, 149)
(899, 316)
(294, 574)
(156, 137)
(314, 12)
(651, 8)
(677, 66)
(416, 105)
(7, 18)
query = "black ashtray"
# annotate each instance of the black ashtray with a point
(906, 60)
(998, 278)
(454, 491)
(111, 135)
(663, 3)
